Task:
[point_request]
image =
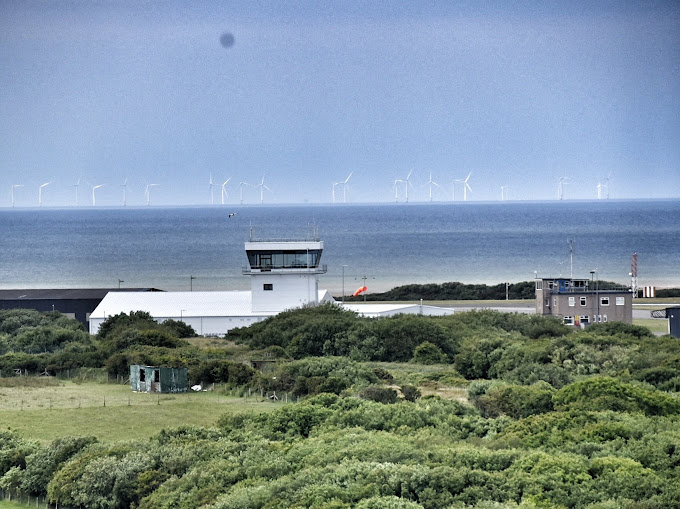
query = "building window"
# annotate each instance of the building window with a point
(156, 376)
(572, 301)
(620, 301)
(547, 302)
(604, 318)
(142, 375)
(554, 301)
(604, 301)
(584, 319)
(539, 285)
(584, 301)
(568, 320)
(268, 286)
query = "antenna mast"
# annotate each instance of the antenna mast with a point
(634, 274)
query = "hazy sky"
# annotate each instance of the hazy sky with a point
(518, 93)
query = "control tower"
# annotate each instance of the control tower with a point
(284, 274)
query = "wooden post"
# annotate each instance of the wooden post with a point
(104, 400)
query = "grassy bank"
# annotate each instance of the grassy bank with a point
(110, 412)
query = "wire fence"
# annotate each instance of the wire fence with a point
(35, 392)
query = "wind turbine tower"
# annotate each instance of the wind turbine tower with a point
(396, 189)
(40, 191)
(504, 193)
(241, 185)
(147, 193)
(224, 190)
(432, 183)
(607, 180)
(466, 187)
(94, 196)
(344, 188)
(77, 185)
(124, 186)
(560, 187)
(14, 186)
(407, 183)
(212, 186)
(262, 187)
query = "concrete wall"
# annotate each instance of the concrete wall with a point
(288, 291)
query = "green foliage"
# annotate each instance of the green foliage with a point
(453, 291)
(410, 392)
(427, 353)
(179, 328)
(41, 465)
(379, 394)
(600, 393)
(515, 401)
(13, 451)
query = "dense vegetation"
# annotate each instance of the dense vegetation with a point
(554, 417)
(461, 291)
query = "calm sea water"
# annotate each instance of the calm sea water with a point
(389, 244)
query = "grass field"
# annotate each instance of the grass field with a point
(6, 504)
(53, 408)
(653, 324)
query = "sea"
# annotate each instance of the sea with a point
(379, 245)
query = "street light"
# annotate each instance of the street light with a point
(119, 282)
(343, 283)
(181, 316)
(191, 283)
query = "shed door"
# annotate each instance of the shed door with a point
(156, 384)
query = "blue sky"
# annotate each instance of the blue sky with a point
(518, 93)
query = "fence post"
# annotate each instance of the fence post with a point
(104, 400)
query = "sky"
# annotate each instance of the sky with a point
(515, 93)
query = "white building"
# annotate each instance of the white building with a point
(284, 274)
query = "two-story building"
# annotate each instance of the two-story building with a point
(579, 302)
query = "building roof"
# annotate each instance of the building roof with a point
(181, 304)
(386, 309)
(65, 294)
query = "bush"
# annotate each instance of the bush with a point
(600, 393)
(427, 353)
(379, 394)
(410, 392)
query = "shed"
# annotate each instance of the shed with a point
(673, 315)
(158, 379)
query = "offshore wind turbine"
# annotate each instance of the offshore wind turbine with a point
(344, 188)
(11, 193)
(408, 183)
(466, 187)
(262, 187)
(94, 196)
(560, 187)
(504, 194)
(607, 180)
(147, 193)
(124, 186)
(212, 186)
(432, 183)
(40, 190)
(396, 189)
(77, 185)
(224, 190)
(241, 185)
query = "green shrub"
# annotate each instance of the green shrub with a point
(379, 394)
(427, 353)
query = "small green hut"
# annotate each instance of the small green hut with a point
(158, 379)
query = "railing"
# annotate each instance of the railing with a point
(311, 238)
(585, 289)
(320, 269)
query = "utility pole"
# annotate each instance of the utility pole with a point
(191, 283)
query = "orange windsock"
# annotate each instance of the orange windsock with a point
(360, 290)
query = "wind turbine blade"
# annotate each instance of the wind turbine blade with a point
(349, 177)
(265, 186)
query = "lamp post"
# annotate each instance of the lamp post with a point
(343, 283)
(181, 315)
(191, 283)
(119, 282)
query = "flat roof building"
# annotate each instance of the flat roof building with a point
(576, 302)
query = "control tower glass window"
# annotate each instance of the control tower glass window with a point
(267, 260)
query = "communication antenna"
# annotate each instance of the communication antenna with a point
(571, 257)
(634, 274)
